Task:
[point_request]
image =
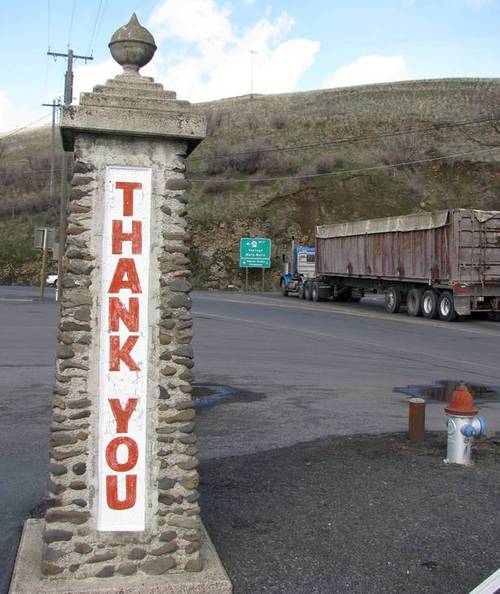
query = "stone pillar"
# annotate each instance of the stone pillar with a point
(123, 499)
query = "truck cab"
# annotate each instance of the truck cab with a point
(297, 270)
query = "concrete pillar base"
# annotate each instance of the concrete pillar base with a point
(27, 578)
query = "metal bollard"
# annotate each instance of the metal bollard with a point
(416, 420)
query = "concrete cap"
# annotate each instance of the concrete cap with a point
(132, 46)
(132, 104)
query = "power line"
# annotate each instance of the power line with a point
(48, 24)
(37, 171)
(352, 139)
(332, 173)
(99, 25)
(24, 127)
(345, 171)
(71, 22)
(90, 49)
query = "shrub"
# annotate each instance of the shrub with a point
(244, 158)
(215, 165)
(278, 164)
(280, 121)
(213, 187)
(214, 120)
(328, 164)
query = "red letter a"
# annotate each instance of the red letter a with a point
(125, 277)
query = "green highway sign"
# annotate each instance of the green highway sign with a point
(255, 252)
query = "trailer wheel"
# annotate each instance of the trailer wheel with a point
(392, 300)
(446, 308)
(414, 302)
(343, 295)
(430, 304)
(284, 289)
(308, 291)
(301, 291)
(315, 292)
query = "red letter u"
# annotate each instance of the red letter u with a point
(112, 492)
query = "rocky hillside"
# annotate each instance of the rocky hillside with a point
(277, 165)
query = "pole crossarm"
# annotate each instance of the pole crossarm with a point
(75, 56)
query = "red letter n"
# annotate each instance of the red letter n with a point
(118, 311)
(118, 237)
(128, 196)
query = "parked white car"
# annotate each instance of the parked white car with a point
(51, 280)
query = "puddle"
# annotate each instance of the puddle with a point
(208, 395)
(441, 391)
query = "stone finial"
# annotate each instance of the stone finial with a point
(132, 46)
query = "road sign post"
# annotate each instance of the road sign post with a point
(44, 241)
(44, 264)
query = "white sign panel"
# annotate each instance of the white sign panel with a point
(123, 364)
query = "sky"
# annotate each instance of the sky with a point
(209, 49)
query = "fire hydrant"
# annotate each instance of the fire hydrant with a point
(463, 425)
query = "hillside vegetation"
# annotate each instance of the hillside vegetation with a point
(341, 145)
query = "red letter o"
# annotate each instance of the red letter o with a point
(133, 454)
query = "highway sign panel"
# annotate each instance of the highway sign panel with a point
(255, 252)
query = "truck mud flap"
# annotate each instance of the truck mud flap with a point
(462, 304)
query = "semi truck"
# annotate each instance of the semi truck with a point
(439, 265)
(297, 270)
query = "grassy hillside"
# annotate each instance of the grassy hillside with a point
(341, 145)
(25, 201)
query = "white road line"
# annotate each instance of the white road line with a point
(384, 347)
(330, 308)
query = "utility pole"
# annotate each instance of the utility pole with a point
(252, 54)
(68, 99)
(55, 105)
(44, 262)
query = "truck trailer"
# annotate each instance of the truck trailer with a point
(444, 264)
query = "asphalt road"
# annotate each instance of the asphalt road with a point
(312, 370)
(27, 350)
(292, 503)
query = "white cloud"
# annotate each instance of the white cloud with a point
(368, 70)
(203, 56)
(14, 116)
(196, 21)
(215, 59)
(464, 3)
(477, 3)
(88, 75)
